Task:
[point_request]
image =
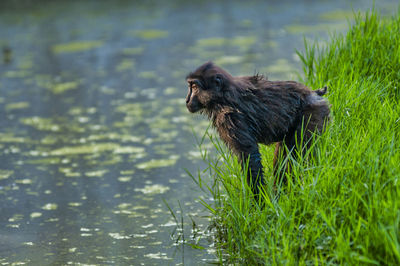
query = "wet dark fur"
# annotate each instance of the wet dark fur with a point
(248, 110)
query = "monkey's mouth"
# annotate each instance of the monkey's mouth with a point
(192, 103)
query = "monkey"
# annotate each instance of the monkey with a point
(248, 110)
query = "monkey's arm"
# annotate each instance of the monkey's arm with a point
(237, 136)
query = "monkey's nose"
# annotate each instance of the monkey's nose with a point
(189, 95)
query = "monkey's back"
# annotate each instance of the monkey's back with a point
(284, 105)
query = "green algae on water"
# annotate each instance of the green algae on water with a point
(127, 172)
(148, 75)
(151, 34)
(153, 189)
(40, 123)
(170, 90)
(119, 236)
(96, 148)
(128, 149)
(84, 149)
(229, 59)
(50, 206)
(158, 256)
(115, 136)
(25, 181)
(16, 74)
(337, 15)
(4, 174)
(63, 87)
(98, 173)
(157, 163)
(239, 41)
(301, 29)
(126, 64)
(73, 47)
(35, 214)
(17, 106)
(124, 178)
(10, 138)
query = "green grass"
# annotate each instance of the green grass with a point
(344, 204)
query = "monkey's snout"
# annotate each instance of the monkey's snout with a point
(193, 106)
(189, 95)
(190, 108)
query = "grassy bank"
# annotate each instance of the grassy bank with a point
(344, 203)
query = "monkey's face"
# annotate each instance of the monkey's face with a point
(202, 94)
(195, 96)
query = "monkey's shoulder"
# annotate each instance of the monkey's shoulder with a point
(228, 117)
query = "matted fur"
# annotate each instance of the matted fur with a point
(248, 110)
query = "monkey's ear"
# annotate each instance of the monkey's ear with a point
(219, 81)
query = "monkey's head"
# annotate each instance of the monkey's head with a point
(206, 85)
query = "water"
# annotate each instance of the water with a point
(94, 133)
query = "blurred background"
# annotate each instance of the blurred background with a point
(94, 132)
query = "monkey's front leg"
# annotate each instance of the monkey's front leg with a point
(241, 141)
(255, 174)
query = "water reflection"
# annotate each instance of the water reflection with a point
(94, 130)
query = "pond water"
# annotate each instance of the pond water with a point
(94, 132)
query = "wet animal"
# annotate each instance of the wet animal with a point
(247, 110)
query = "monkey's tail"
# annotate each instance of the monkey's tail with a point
(322, 91)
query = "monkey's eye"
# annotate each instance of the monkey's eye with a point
(194, 85)
(218, 81)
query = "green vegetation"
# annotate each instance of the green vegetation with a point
(151, 34)
(74, 47)
(343, 206)
(154, 163)
(17, 106)
(62, 87)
